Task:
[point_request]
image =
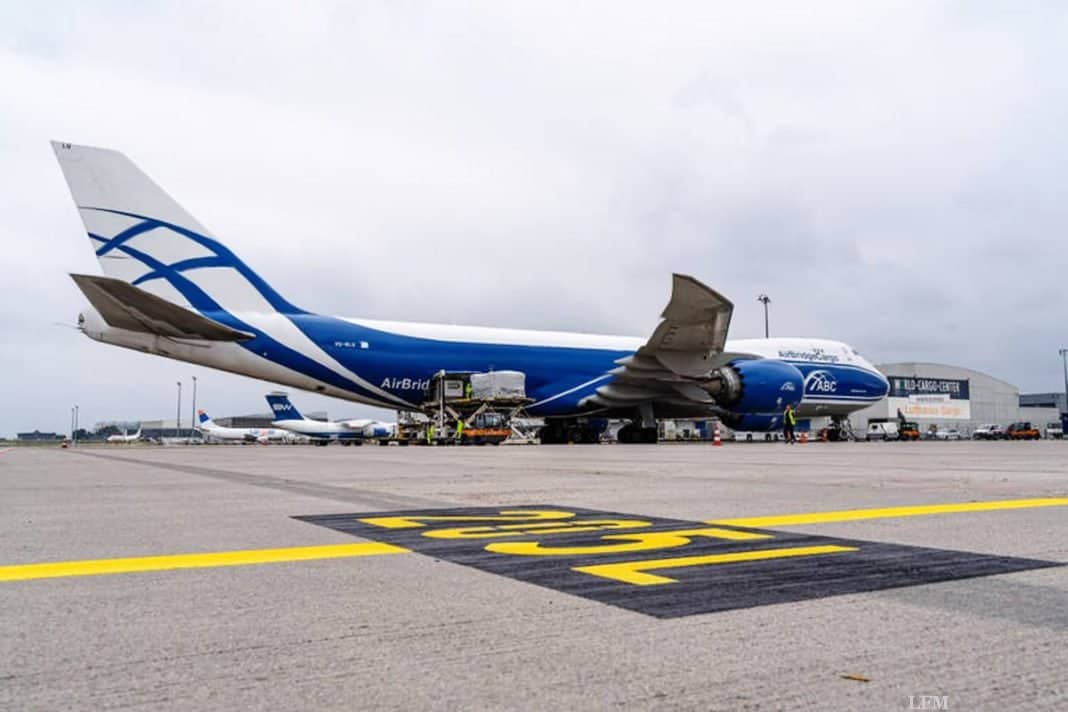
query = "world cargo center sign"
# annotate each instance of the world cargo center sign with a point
(927, 398)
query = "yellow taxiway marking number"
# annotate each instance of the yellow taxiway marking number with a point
(849, 515)
(633, 572)
(97, 567)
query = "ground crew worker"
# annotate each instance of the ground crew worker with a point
(460, 430)
(467, 390)
(429, 433)
(788, 423)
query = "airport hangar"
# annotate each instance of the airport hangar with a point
(950, 397)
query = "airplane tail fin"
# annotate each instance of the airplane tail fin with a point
(142, 236)
(203, 418)
(282, 408)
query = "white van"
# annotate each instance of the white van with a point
(882, 430)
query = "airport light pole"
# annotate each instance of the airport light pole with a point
(72, 425)
(193, 410)
(1064, 359)
(75, 434)
(765, 300)
(178, 415)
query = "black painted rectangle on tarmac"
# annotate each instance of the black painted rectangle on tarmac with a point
(665, 568)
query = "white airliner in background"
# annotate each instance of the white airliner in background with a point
(175, 290)
(213, 431)
(125, 437)
(347, 432)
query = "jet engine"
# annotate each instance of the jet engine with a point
(756, 386)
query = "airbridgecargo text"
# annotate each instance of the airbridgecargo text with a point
(406, 384)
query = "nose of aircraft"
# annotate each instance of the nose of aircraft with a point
(879, 385)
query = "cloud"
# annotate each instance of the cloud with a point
(890, 175)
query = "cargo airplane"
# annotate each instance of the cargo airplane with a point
(347, 432)
(171, 288)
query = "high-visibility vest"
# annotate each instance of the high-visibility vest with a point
(459, 428)
(788, 416)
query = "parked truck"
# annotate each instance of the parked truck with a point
(1022, 431)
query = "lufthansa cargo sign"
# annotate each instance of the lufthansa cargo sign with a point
(915, 397)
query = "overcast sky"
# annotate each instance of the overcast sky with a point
(891, 175)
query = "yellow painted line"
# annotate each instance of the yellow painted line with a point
(24, 572)
(850, 515)
(633, 572)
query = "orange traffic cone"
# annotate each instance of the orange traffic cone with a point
(715, 437)
(802, 437)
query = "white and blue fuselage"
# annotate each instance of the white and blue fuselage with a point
(175, 290)
(389, 364)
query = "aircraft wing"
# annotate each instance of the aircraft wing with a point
(687, 345)
(693, 328)
(125, 306)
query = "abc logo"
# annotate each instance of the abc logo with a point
(821, 382)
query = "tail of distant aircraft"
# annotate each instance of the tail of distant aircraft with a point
(282, 408)
(143, 237)
(203, 418)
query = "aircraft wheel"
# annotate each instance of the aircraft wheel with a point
(552, 433)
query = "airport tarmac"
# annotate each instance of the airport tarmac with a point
(749, 576)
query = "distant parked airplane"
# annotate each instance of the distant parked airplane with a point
(125, 437)
(213, 431)
(173, 289)
(346, 431)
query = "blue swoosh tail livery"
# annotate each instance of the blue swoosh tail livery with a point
(171, 288)
(281, 407)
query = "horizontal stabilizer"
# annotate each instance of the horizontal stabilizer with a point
(125, 306)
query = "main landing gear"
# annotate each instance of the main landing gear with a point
(561, 432)
(633, 433)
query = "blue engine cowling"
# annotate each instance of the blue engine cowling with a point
(762, 387)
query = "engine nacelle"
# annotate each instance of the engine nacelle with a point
(758, 387)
